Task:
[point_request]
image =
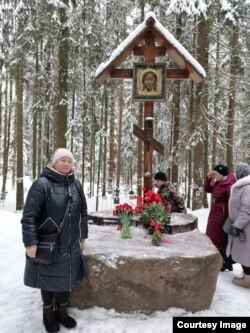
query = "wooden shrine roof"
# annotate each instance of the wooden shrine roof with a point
(165, 44)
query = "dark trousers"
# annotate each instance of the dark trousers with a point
(49, 297)
(227, 261)
(246, 270)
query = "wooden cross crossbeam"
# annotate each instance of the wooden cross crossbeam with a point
(171, 74)
(151, 142)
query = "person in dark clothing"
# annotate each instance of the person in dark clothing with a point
(171, 198)
(48, 198)
(218, 182)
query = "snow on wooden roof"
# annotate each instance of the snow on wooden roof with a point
(164, 38)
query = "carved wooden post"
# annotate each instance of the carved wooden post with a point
(148, 153)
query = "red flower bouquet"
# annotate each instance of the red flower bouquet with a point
(124, 209)
(154, 215)
(125, 212)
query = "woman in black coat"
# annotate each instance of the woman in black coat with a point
(47, 199)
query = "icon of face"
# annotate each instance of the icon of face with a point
(149, 81)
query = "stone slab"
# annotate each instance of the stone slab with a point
(133, 275)
(179, 222)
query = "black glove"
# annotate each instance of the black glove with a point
(235, 232)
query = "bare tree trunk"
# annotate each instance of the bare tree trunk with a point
(84, 111)
(190, 153)
(176, 130)
(198, 162)
(35, 112)
(105, 124)
(176, 114)
(34, 146)
(39, 140)
(72, 129)
(84, 139)
(111, 161)
(118, 167)
(204, 108)
(205, 154)
(13, 142)
(6, 136)
(60, 113)
(48, 130)
(216, 97)
(48, 126)
(232, 91)
(92, 148)
(83, 155)
(72, 120)
(142, 7)
(99, 160)
(19, 123)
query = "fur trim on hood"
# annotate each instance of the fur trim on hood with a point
(241, 182)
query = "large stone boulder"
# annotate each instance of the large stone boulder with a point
(134, 275)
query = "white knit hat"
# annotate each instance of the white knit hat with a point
(59, 153)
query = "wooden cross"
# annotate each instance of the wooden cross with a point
(149, 52)
(150, 144)
(144, 44)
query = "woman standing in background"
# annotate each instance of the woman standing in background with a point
(218, 182)
(239, 213)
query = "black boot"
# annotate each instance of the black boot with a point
(227, 261)
(222, 267)
(50, 322)
(62, 316)
(223, 263)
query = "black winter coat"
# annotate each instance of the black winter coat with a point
(49, 199)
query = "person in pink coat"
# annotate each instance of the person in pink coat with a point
(218, 182)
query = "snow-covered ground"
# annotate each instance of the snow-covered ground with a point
(20, 306)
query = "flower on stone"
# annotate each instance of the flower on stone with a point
(154, 211)
(123, 210)
(151, 196)
(153, 215)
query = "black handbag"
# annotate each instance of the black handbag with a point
(83, 271)
(48, 240)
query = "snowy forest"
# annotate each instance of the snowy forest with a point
(49, 96)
